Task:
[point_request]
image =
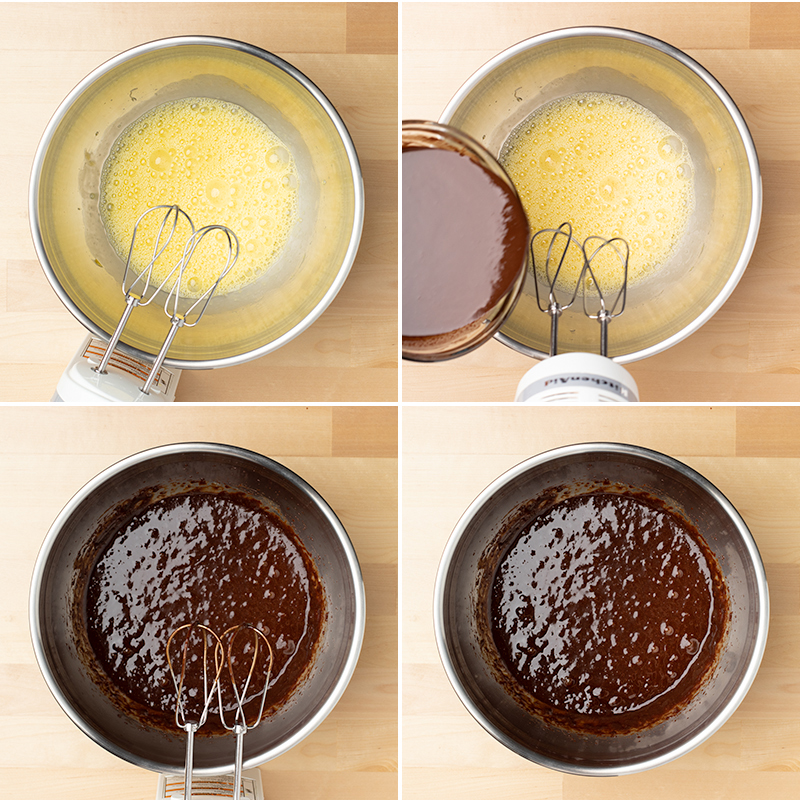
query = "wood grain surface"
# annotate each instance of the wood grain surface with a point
(348, 50)
(746, 354)
(752, 454)
(349, 455)
(749, 349)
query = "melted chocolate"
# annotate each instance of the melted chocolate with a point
(216, 558)
(608, 611)
(465, 239)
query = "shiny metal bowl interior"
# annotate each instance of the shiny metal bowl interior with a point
(172, 468)
(709, 260)
(71, 241)
(579, 468)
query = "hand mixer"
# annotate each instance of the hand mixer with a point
(249, 658)
(578, 377)
(97, 374)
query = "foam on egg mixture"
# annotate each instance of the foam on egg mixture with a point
(220, 164)
(611, 168)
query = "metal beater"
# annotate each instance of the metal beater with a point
(136, 291)
(587, 283)
(180, 318)
(579, 377)
(180, 650)
(606, 310)
(247, 681)
(554, 307)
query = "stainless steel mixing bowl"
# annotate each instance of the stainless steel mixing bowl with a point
(84, 268)
(717, 244)
(173, 468)
(574, 470)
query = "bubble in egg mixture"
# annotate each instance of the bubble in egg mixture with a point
(219, 163)
(611, 168)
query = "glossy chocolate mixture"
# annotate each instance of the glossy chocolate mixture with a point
(465, 239)
(219, 558)
(609, 610)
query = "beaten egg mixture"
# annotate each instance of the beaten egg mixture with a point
(220, 164)
(611, 168)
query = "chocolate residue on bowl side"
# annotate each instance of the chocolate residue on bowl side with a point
(209, 555)
(601, 612)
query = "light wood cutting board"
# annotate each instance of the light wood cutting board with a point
(348, 50)
(752, 454)
(748, 351)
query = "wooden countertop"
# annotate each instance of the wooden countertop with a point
(348, 50)
(748, 351)
(752, 454)
(349, 455)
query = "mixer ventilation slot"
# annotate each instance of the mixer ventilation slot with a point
(96, 349)
(216, 787)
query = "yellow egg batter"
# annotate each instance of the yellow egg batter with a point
(221, 165)
(611, 168)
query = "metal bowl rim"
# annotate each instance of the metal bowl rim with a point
(181, 449)
(646, 454)
(257, 52)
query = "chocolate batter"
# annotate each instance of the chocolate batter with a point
(465, 240)
(215, 557)
(609, 610)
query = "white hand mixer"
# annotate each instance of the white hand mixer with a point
(577, 378)
(99, 373)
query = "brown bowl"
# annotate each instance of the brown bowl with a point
(496, 288)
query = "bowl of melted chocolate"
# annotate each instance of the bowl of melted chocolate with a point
(601, 609)
(465, 243)
(203, 533)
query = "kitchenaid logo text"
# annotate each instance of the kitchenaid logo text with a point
(597, 380)
(573, 381)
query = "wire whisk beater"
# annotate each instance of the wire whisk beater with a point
(193, 647)
(140, 288)
(249, 660)
(602, 298)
